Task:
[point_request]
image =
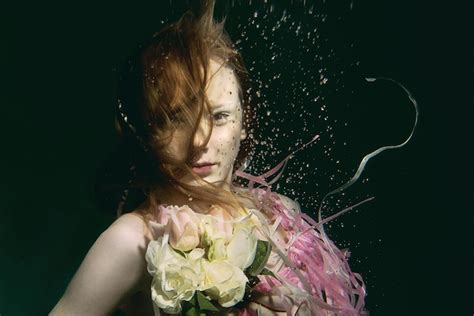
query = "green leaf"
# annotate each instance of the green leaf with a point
(194, 301)
(205, 304)
(261, 257)
(192, 312)
(265, 271)
(181, 253)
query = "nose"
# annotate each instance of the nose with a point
(202, 133)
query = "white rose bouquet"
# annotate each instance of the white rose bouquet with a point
(203, 263)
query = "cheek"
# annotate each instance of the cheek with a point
(228, 141)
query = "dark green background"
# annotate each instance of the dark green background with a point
(58, 73)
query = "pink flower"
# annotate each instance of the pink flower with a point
(245, 312)
(266, 284)
(184, 232)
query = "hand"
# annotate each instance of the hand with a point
(257, 309)
(277, 302)
(267, 304)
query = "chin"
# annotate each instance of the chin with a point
(214, 180)
(210, 178)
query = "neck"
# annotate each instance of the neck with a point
(172, 196)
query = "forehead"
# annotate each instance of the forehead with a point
(223, 86)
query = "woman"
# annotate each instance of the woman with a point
(184, 102)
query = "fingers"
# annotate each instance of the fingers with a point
(278, 299)
(257, 309)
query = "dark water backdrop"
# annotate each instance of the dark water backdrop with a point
(59, 71)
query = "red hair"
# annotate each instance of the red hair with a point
(169, 74)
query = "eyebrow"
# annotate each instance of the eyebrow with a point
(221, 105)
(217, 107)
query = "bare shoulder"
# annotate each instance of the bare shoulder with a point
(128, 233)
(132, 225)
(113, 269)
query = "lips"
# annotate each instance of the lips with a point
(203, 168)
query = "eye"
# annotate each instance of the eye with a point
(220, 118)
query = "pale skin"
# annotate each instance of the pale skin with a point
(114, 271)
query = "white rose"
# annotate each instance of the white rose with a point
(216, 224)
(224, 282)
(242, 247)
(175, 278)
(217, 250)
(184, 232)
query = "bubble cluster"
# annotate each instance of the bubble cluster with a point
(301, 63)
(301, 77)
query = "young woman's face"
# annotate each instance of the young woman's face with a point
(215, 164)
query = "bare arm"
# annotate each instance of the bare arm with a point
(113, 269)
